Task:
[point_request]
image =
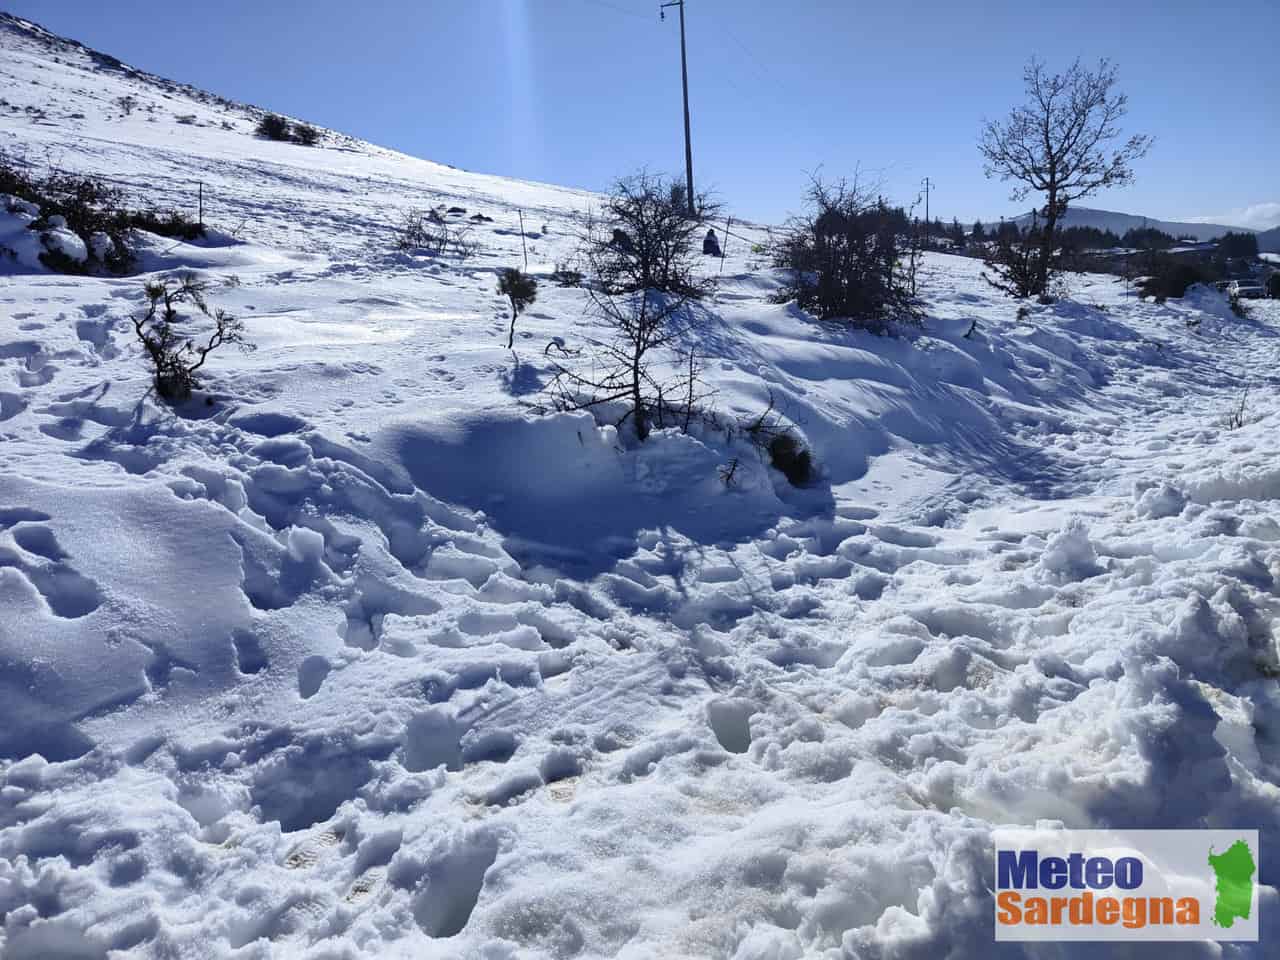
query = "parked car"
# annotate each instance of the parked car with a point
(1245, 290)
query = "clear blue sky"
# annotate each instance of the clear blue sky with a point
(579, 91)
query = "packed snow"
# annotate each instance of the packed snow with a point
(361, 653)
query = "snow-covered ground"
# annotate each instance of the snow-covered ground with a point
(358, 655)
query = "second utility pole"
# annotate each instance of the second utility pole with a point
(927, 185)
(684, 78)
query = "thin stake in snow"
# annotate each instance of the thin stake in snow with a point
(520, 213)
(724, 247)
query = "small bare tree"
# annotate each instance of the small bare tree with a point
(521, 289)
(619, 371)
(1059, 144)
(176, 358)
(646, 239)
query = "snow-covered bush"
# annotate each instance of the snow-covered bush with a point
(175, 358)
(841, 257)
(64, 251)
(69, 210)
(82, 221)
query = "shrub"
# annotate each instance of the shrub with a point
(1170, 277)
(168, 223)
(1015, 264)
(175, 358)
(87, 205)
(272, 126)
(1235, 245)
(1147, 238)
(305, 134)
(787, 454)
(521, 289)
(427, 231)
(841, 258)
(646, 238)
(565, 275)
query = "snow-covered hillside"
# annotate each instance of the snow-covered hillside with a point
(360, 655)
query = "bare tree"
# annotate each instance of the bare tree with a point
(1060, 143)
(619, 371)
(646, 240)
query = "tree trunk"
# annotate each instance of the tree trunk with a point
(511, 337)
(637, 401)
(1046, 244)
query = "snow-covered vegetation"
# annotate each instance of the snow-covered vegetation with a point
(366, 650)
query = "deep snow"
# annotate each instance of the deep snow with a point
(364, 657)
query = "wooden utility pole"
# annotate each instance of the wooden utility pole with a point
(927, 185)
(684, 80)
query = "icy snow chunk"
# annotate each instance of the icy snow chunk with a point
(431, 739)
(17, 205)
(767, 942)
(1069, 554)
(58, 239)
(306, 546)
(730, 722)
(16, 237)
(101, 246)
(1157, 500)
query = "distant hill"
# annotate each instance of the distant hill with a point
(1118, 223)
(1269, 241)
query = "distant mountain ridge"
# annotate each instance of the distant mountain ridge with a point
(1269, 241)
(1119, 223)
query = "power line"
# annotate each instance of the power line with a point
(605, 5)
